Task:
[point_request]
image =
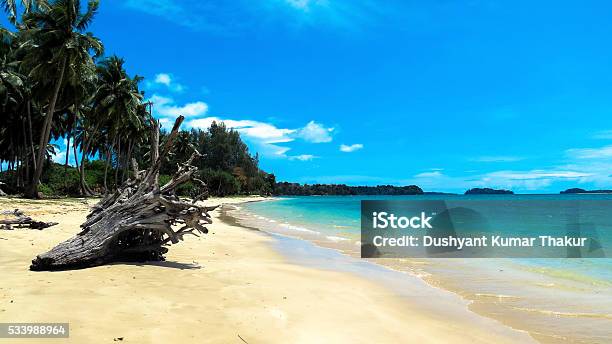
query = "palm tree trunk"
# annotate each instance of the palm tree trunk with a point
(126, 162)
(45, 133)
(67, 150)
(68, 153)
(26, 171)
(108, 156)
(118, 157)
(84, 188)
(85, 148)
(76, 157)
(31, 136)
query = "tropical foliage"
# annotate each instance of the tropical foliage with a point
(55, 84)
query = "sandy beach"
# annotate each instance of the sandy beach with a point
(230, 286)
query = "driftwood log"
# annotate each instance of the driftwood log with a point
(18, 219)
(138, 221)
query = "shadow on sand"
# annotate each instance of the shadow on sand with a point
(163, 264)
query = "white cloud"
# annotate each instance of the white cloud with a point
(165, 107)
(350, 148)
(431, 174)
(163, 79)
(315, 133)
(260, 131)
(498, 158)
(303, 157)
(590, 153)
(60, 157)
(536, 174)
(165, 123)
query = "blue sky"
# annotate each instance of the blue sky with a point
(443, 94)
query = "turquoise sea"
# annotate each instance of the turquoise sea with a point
(556, 300)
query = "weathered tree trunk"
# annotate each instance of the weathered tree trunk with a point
(20, 220)
(137, 222)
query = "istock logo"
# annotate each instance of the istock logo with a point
(384, 220)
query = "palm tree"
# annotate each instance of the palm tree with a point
(10, 7)
(13, 95)
(118, 102)
(55, 42)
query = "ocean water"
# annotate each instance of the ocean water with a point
(556, 300)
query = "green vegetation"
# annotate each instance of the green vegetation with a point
(294, 189)
(583, 191)
(488, 191)
(55, 83)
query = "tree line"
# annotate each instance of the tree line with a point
(295, 189)
(56, 83)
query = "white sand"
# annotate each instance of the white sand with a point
(210, 289)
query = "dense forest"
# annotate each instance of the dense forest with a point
(56, 83)
(488, 191)
(294, 189)
(583, 191)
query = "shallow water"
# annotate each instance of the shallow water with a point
(556, 300)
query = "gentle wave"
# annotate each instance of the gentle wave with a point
(336, 238)
(569, 275)
(297, 228)
(497, 296)
(564, 314)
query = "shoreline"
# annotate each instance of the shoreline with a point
(403, 284)
(501, 304)
(229, 283)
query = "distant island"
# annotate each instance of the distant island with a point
(583, 191)
(295, 189)
(488, 191)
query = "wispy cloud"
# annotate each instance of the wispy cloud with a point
(303, 157)
(530, 180)
(225, 17)
(498, 158)
(430, 174)
(190, 14)
(166, 107)
(350, 148)
(591, 153)
(306, 5)
(604, 135)
(353, 179)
